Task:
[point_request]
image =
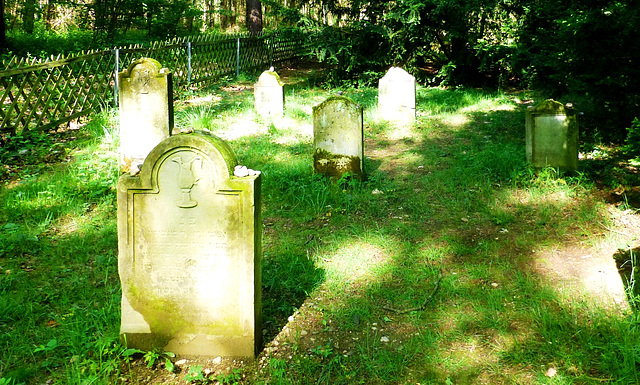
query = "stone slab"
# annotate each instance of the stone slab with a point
(552, 136)
(189, 236)
(146, 110)
(397, 96)
(269, 95)
(338, 137)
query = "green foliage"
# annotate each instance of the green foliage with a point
(357, 55)
(195, 375)
(582, 48)
(632, 142)
(43, 43)
(28, 146)
(151, 357)
(233, 377)
(9, 381)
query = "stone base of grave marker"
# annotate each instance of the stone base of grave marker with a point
(336, 165)
(189, 238)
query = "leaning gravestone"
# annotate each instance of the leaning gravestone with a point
(146, 110)
(269, 95)
(552, 136)
(189, 236)
(397, 96)
(338, 138)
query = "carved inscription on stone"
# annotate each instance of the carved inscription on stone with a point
(182, 261)
(189, 174)
(141, 80)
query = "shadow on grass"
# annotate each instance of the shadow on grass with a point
(457, 200)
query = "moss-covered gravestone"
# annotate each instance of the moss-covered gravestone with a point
(189, 236)
(552, 136)
(338, 138)
(269, 95)
(146, 110)
(397, 96)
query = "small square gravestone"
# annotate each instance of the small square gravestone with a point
(397, 96)
(338, 138)
(269, 95)
(189, 235)
(146, 110)
(552, 136)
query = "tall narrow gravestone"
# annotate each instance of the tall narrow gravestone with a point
(146, 110)
(189, 238)
(397, 96)
(552, 136)
(338, 138)
(269, 95)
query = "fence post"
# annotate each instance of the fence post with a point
(116, 82)
(238, 59)
(188, 62)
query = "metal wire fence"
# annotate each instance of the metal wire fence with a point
(40, 95)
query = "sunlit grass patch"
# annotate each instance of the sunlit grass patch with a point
(354, 262)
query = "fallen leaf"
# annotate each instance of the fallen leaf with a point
(52, 323)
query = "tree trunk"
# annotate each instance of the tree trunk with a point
(225, 14)
(254, 16)
(3, 28)
(253, 19)
(28, 16)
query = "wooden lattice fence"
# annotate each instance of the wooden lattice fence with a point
(43, 95)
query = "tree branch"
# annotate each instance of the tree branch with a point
(436, 286)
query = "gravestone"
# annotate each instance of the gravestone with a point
(189, 242)
(269, 95)
(397, 96)
(338, 138)
(146, 110)
(552, 136)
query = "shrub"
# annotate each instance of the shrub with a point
(632, 142)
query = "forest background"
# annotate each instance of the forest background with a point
(583, 52)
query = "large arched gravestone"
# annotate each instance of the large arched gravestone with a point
(189, 236)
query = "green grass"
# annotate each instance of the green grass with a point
(452, 197)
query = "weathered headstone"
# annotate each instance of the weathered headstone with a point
(269, 95)
(397, 96)
(146, 110)
(189, 242)
(338, 137)
(552, 136)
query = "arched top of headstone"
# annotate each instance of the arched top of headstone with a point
(399, 74)
(148, 65)
(215, 149)
(338, 101)
(269, 78)
(551, 107)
